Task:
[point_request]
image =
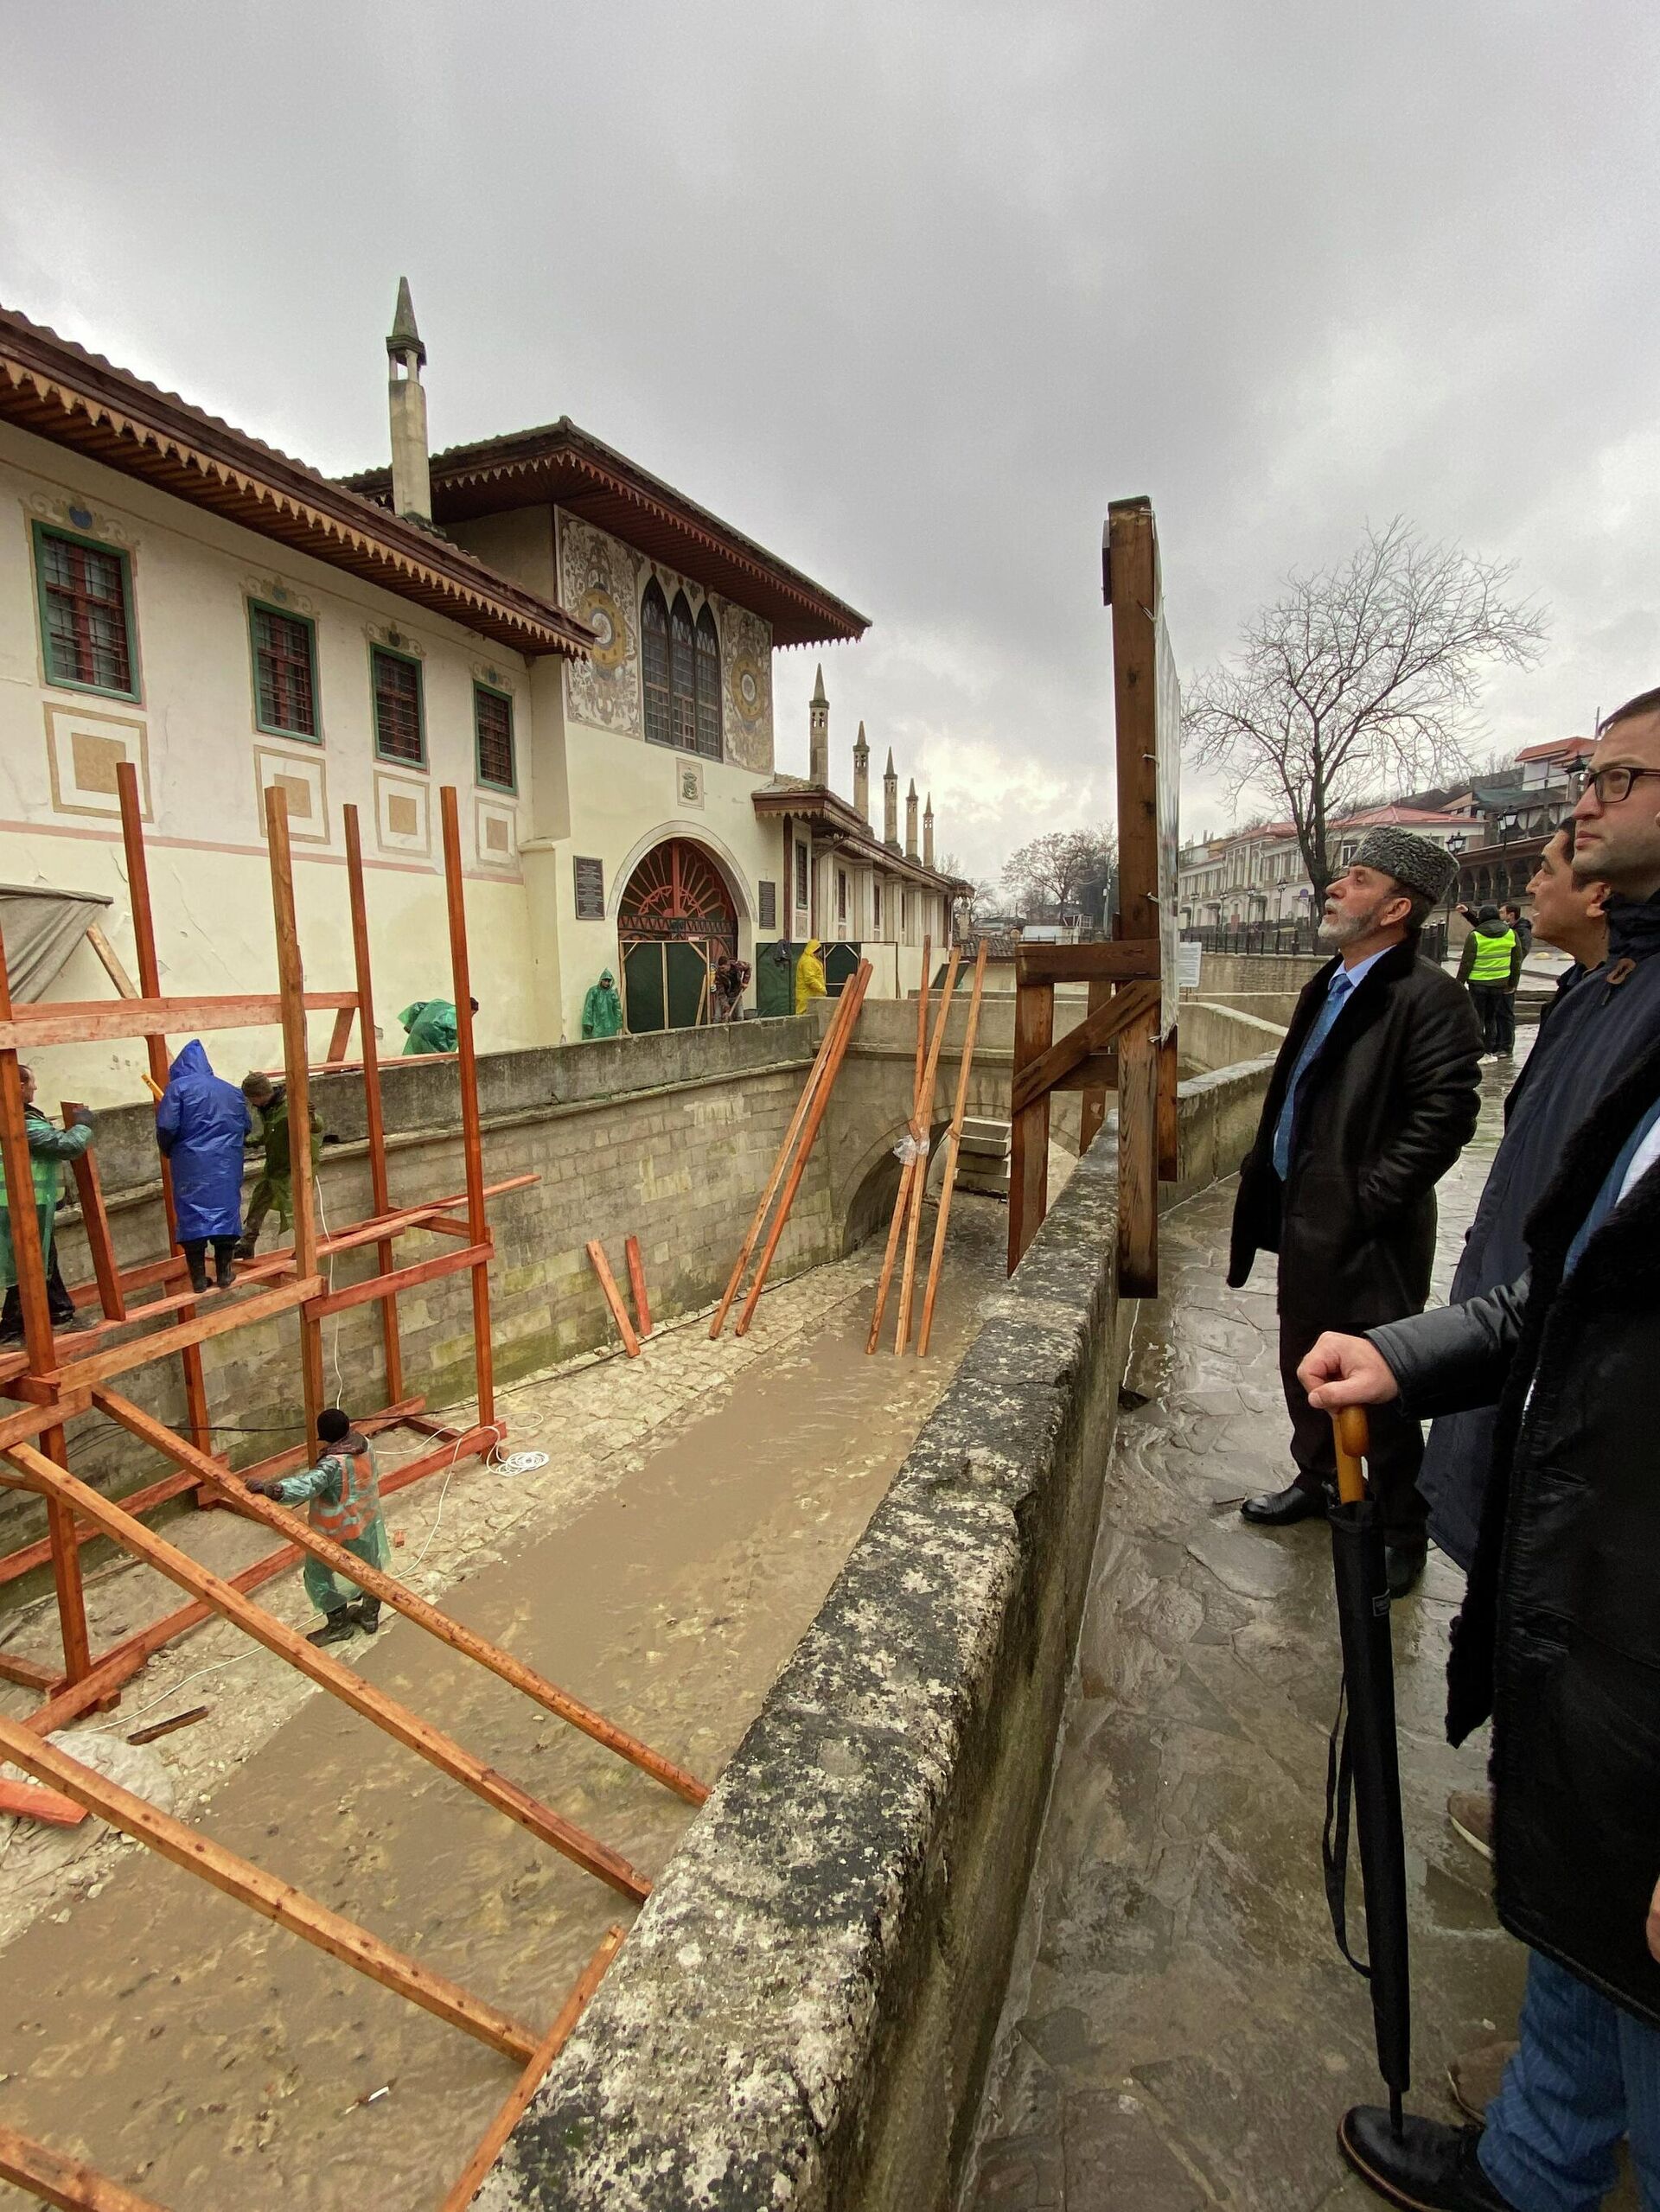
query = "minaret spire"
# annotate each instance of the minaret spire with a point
(411, 474)
(862, 775)
(817, 735)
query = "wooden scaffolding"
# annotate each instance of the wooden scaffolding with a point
(51, 1383)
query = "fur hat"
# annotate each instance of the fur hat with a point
(1416, 863)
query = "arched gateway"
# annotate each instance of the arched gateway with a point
(676, 920)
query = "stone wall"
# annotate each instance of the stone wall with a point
(804, 2011)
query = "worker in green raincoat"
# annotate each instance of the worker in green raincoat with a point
(602, 1010)
(274, 1192)
(430, 1023)
(49, 1149)
(344, 1494)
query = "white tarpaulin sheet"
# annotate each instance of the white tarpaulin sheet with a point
(40, 928)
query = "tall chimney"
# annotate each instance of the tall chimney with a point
(817, 739)
(412, 477)
(862, 775)
(890, 804)
(910, 822)
(927, 832)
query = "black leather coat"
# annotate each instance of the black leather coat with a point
(1559, 1634)
(1387, 1107)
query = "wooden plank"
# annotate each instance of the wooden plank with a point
(1122, 960)
(110, 961)
(637, 1288)
(922, 1124)
(404, 1600)
(31, 1801)
(1138, 1157)
(953, 1150)
(102, 1021)
(1091, 1108)
(401, 1278)
(27, 1673)
(1034, 1031)
(1042, 1073)
(1133, 582)
(32, 1421)
(1097, 1074)
(361, 1696)
(1170, 1124)
(908, 1168)
(263, 1893)
(56, 2179)
(28, 1556)
(339, 1036)
(853, 992)
(95, 1221)
(471, 1131)
(602, 1267)
(291, 987)
(495, 2135)
(226, 1315)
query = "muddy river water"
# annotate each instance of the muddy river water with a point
(181, 2044)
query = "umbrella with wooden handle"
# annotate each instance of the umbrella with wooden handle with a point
(1363, 1770)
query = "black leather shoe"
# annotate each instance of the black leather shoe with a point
(1279, 1509)
(1402, 1565)
(1433, 2168)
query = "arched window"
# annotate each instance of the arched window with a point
(682, 677)
(653, 653)
(708, 685)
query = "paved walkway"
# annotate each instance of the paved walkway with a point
(1183, 2033)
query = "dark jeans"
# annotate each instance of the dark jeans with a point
(1397, 1447)
(1495, 1012)
(59, 1304)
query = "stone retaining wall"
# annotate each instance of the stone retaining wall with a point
(803, 2012)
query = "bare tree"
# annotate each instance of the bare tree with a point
(1361, 676)
(1055, 869)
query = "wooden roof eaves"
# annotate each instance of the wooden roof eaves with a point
(538, 629)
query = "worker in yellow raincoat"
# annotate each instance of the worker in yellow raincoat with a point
(809, 975)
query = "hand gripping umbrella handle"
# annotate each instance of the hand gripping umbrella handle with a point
(1350, 1431)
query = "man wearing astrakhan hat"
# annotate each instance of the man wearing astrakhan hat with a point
(1373, 1095)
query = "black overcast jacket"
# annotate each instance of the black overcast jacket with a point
(1559, 1634)
(1384, 1113)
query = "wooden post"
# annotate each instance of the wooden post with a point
(495, 2135)
(272, 1899)
(374, 1116)
(402, 1725)
(602, 1267)
(908, 1168)
(1034, 1032)
(297, 1057)
(1092, 1105)
(1138, 1158)
(403, 1600)
(922, 1124)
(853, 997)
(953, 1147)
(56, 2179)
(472, 1137)
(815, 1076)
(95, 1221)
(637, 1288)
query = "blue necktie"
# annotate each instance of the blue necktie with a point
(1336, 997)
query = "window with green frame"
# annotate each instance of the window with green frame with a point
(493, 738)
(399, 720)
(285, 670)
(86, 602)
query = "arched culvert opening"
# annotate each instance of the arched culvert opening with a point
(871, 1209)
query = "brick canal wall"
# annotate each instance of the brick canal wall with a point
(802, 2015)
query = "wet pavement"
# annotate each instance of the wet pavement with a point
(698, 1505)
(1181, 2032)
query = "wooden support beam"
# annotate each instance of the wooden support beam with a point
(27, 1673)
(110, 960)
(56, 2179)
(198, 1329)
(1095, 1030)
(339, 1037)
(923, 1125)
(263, 1893)
(853, 994)
(1125, 959)
(1138, 1162)
(403, 1600)
(374, 1111)
(395, 1720)
(495, 2135)
(952, 1149)
(471, 1130)
(637, 1288)
(401, 1278)
(104, 1021)
(1034, 1031)
(908, 1168)
(602, 1267)
(32, 1801)
(1092, 1107)
(95, 1222)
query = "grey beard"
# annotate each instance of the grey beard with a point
(1340, 929)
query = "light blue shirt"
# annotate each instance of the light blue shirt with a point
(1338, 992)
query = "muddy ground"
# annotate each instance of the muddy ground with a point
(697, 1506)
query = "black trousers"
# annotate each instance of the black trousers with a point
(1495, 1012)
(59, 1304)
(1397, 1446)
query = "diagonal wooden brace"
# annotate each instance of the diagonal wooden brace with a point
(1095, 1029)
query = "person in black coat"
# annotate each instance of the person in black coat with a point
(1559, 1640)
(1375, 1093)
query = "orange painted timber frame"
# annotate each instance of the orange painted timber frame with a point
(1118, 1044)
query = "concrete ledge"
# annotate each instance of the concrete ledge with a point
(803, 2013)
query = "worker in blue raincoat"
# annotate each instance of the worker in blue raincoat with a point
(343, 1492)
(203, 1126)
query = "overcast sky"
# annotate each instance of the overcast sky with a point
(908, 292)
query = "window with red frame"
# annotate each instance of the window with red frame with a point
(86, 618)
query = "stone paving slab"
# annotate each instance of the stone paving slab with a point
(1181, 2032)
